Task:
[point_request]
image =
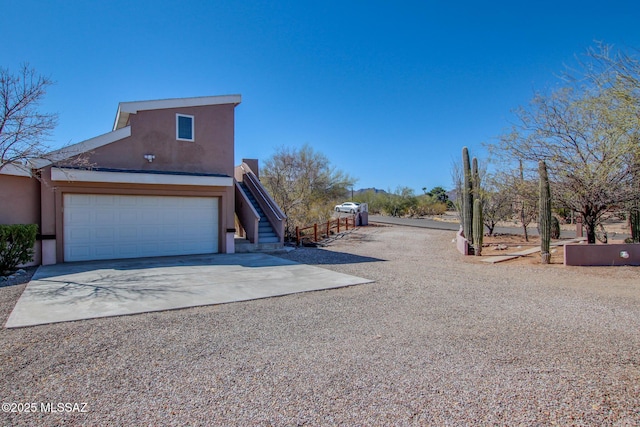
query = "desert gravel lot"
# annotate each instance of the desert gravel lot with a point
(437, 340)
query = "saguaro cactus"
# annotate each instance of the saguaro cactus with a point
(545, 213)
(475, 177)
(467, 197)
(555, 228)
(478, 227)
(634, 221)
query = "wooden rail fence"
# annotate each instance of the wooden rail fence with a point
(334, 224)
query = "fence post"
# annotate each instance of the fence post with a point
(346, 223)
(315, 232)
(297, 236)
(328, 228)
(338, 221)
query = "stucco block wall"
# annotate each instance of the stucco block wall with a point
(154, 132)
(602, 255)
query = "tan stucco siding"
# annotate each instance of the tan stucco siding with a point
(154, 132)
(20, 204)
(19, 200)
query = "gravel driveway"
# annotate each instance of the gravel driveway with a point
(437, 339)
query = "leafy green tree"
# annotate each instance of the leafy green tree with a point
(439, 193)
(399, 203)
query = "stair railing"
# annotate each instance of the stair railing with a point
(270, 208)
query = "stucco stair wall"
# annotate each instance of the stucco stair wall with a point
(266, 233)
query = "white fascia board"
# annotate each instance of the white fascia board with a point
(76, 175)
(16, 170)
(81, 147)
(126, 108)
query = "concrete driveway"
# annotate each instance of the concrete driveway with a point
(83, 290)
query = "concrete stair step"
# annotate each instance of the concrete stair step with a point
(266, 233)
(273, 239)
(244, 246)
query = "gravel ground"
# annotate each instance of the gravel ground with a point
(436, 340)
(17, 278)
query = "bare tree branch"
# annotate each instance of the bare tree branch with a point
(23, 129)
(588, 135)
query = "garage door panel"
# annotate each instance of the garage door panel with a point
(171, 216)
(103, 200)
(80, 252)
(104, 233)
(127, 217)
(151, 215)
(128, 250)
(80, 217)
(80, 233)
(105, 216)
(77, 200)
(105, 251)
(125, 202)
(150, 201)
(118, 226)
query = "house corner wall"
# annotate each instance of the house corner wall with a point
(50, 241)
(253, 165)
(20, 204)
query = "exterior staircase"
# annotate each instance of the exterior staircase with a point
(259, 220)
(266, 233)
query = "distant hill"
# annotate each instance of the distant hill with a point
(364, 190)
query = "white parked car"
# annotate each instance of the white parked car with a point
(349, 207)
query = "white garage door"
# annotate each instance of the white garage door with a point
(116, 226)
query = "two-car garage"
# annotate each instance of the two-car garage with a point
(108, 226)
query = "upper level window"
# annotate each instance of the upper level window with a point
(184, 127)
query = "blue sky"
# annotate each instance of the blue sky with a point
(388, 91)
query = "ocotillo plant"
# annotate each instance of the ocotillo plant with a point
(545, 213)
(467, 197)
(478, 227)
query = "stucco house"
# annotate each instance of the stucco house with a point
(160, 183)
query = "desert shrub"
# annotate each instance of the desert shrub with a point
(16, 245)
(436, 208)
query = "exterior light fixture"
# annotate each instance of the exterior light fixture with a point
(149, 157)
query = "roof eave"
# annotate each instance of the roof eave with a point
(80, 148)
(127, 108)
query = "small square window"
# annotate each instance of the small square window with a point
(184, 127)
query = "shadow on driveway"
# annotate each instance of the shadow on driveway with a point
(319, 256)
(74, 291)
